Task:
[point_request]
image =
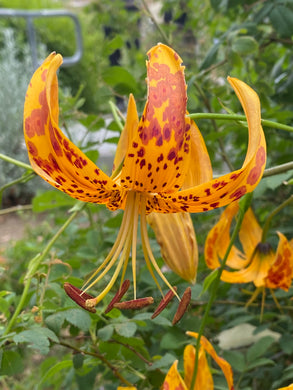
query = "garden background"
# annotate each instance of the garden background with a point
(52, 343)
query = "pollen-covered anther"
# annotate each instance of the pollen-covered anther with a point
(164, 302)
(117, 297)
(134, 304)
(80, 297)
(183, 305)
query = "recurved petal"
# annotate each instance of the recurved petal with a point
(126, 136)
(204, 379)
(281, 272)
(54, 157)
(218, 240)
(250, 233)
(158, 156)
(255, 272)
(232, 186)
(200, 167)
(173, 380)
(176, 237)
(225, 366)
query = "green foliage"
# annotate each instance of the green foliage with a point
(54, 344)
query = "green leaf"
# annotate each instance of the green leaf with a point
(282, 20)
(244, 45)
(38, 338)
(50, 200)
(11, 363)
(163, 361)
(260, 362)
(126, 329)
(209, 280)
(65, 364)
(236, 359)
(116, 76)
(259, 348)
(106, 333)
(77, 317)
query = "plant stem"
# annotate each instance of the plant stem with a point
(99, 356)
(34, 265)
(246, 200)
(271, 216)
(236, 117)
(16, 162)
(278, 169)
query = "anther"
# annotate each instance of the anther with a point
(164, 302)
(78, 296)
(118, 295)
(134, 304)
(182, 306)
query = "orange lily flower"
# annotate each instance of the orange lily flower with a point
(151, 174)
(290, 387)
(204, 379)
(258, 263)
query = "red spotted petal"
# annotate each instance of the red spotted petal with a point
(54, 157)
(158, 156)
(232, 186)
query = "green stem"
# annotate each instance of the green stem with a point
(235, 117)
(34, 265)
(23, 179)
(243, 206)
(278, 169)
(271, 216)
(16, 162)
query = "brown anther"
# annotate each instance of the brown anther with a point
(164, 302)
(78, 296)
(134, 304)
(118, 295)
(182, 306)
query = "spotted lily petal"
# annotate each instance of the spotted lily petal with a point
(225, 366)
(230, 187)
(176, 237)
(218, 240)
(173, 380)
(158, 155)
(54, 157)
(281, 273)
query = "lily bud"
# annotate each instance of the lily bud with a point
(176, 237)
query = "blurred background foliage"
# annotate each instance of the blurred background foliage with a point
(54, 344)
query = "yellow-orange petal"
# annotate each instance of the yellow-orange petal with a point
(127, 134)
(157, 158)
(232, 186)
(281, 272)
(200, 167)
(204, 379)
(54, 157)
(290, 387)
(250, 233)
(225, 366)
(176, 237)
(256, 271)
(218, 239)
(126, 388)
(173, 380)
